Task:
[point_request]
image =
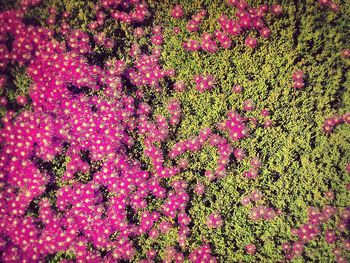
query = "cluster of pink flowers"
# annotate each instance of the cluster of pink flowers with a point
(92, 133)
(250, 249)
(175, 111)
(194, 23)
(259, 212)
(345, 53)
(78, 41)
(267, 122)
(177, 201)
(248, 19)
(235, 126)
(83, 117)
(313, 229)
(100, 18)
(138, 10)
(177, 11)
(255, 196)
(183, 232)
(172, 255)
(204, 82)
(27, 40)
(101, 40)
(191, 45)
(147, 71)
(298, 78)
(329, 4)
(262, 212)
(157, 36)
(223, 38)
(332, 122)
(208, 44)
(202, 254)
(214, 220)
(225, 151)
(193, 144)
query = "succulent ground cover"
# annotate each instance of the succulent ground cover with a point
(174, 131)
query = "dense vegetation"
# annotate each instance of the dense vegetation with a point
(279, 190)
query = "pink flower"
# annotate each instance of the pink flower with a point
(265, 32)
(239, 154)
(345, 53)
(245, 200)
(191, 45)
(276, 10)
(248, 105)
(251, 42)
(139, 32)
(199, 188)
(176, 30)
(177, 11)
(324, 2)
(204, 82)
(256, 195)
(250, 249)
(265, 112)
(21, 100)
(346, 117)
(255, 162)
(268, 123)
(329, 195)
(334, 7)
(298, 77)
(330, 236)
(214, 220)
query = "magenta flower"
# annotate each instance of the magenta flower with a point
(330, 236)
(176, 30)
(276, 10)
(256, 195)
(199, 189)
(245, 200)
(177, 11)
(237, 89)
(345, 53)
(191, 45)
(250, 249)
(204, 82)
(251, 42)
(214, 220)
(248, 105)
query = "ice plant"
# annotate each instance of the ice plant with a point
(106, 155)
(251, 42)
(298, 78)
(177, 11)
(204, 82)
(214, 220)
(250, 249)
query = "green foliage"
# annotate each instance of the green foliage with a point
(60, 256)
